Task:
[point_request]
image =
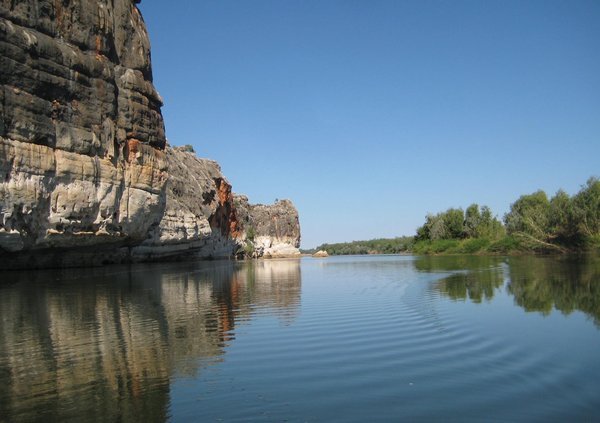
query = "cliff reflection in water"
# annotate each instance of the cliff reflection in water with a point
(538, 284)
(105, 342)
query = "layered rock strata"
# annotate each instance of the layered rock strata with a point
(204, 219)
(199, 219)
(85, 174)
(269, 230)
(81, 135)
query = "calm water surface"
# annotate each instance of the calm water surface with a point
(373, 338)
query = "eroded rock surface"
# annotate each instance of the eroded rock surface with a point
(204, 219)
(199, 219)
(81, 134)
(85, 174)
(269, 230)
(76, 75)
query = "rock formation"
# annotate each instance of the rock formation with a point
(85, 174)
(269, 231)
(199, 218)
(204, 219)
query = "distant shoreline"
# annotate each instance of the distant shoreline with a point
(505, 246)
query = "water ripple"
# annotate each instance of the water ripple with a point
(346, 339)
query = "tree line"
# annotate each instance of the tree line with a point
(373, 246)
(535, 222)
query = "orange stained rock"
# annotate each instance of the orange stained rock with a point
(225, 217)
(133, 147)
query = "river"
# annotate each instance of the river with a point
(358, 338)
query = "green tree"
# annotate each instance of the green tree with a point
(529, 220)
(437, 227)
(472, 221)
(489, 226)
(529, 215)
(454, 222)
(561, 218)
(422, 233)
(586, 204)
(433, 228)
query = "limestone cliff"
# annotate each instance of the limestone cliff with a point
(85, 175)
(199, 219)
(269, 230)
(81, 134)
(204, 219)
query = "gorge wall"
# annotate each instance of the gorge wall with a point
(86, 177)
(269, 230)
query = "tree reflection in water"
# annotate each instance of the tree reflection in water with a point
(538, 284)
(473, 277)
(566, 284)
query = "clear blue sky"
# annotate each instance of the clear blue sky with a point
(370, 114)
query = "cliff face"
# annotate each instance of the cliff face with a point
(81, 134)
(199, 219)
(204, 219)
(85, 177)
(269, 230)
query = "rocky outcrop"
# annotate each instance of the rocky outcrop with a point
(199, 219)
(268, 231)
(85, 174)
(204, 219)
(81, 135)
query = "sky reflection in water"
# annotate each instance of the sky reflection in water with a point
(344, 338)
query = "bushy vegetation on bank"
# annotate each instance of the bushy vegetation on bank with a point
(535, 223)
(373, 246)
(562, 222)
(504, 245)
(455, 224)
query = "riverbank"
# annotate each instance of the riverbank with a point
(507, 245)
